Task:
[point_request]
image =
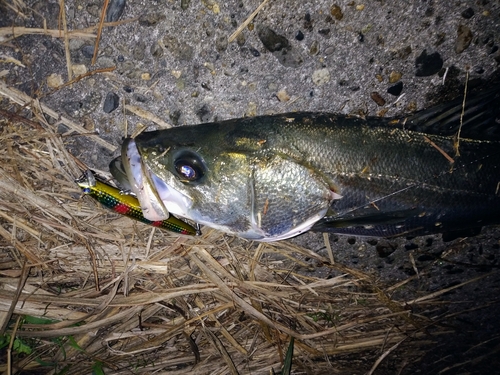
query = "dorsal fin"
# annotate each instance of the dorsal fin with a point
(480, 118)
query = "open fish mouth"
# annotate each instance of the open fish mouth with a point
(157, 199)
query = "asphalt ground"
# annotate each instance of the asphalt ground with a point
(173, 60)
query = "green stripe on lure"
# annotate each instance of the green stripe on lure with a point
(128, 205)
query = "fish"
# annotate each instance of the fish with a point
(270, 178)
(127, 204)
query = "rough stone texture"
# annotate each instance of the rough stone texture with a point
(176, 56)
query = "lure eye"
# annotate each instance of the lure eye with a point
(189, 167)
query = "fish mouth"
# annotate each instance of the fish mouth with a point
(157, 199)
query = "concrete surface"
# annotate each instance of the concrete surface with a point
(338, 56)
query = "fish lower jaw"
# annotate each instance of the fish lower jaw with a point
(302, 228)
(256, 233)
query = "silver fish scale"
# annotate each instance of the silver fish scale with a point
(277, 184)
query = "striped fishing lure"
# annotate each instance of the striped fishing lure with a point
(128, 205)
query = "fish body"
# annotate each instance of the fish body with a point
(127, 205)
(269, 178)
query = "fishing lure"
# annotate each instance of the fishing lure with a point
(128, 205)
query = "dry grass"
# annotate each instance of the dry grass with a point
(123, 295)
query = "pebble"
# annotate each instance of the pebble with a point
(93, 10)
(139, 50)
(181, 51)
(336, 12)
(105, 62)
(156, 50)
(283, 96)
(251, 109)
(87, 51)
(54, 80)
(464, 38)
(88, 124)
(212, 5)
(209, 66)
(221, 43)
(151, 19)
(467, 13)
(44, 12)
(115, 10)
(185, 4)
(140, 98)
(324, 32)
(75, 44)
(240, 39)
(314, 49)
(245, 52)
(385, 249)
(79, 69)
(279, 46)
(479, 70)
(299, 36)
(72, 108)
(404, 52)
(394, 76)
(396, 89)
(382, 112)
(174, 116)
(111, 102)
(271, 40)
(412, 106)
(440, 38)
(84, 107)
(254, 52)
(377, 98)
(107, 51)
(428, 65)
(308, 25)
(203, 113)
(329, 50)
(321, 76)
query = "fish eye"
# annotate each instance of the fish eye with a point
(189, 167)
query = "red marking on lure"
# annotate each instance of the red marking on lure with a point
(122, 208)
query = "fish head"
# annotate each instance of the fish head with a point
(226, 178)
